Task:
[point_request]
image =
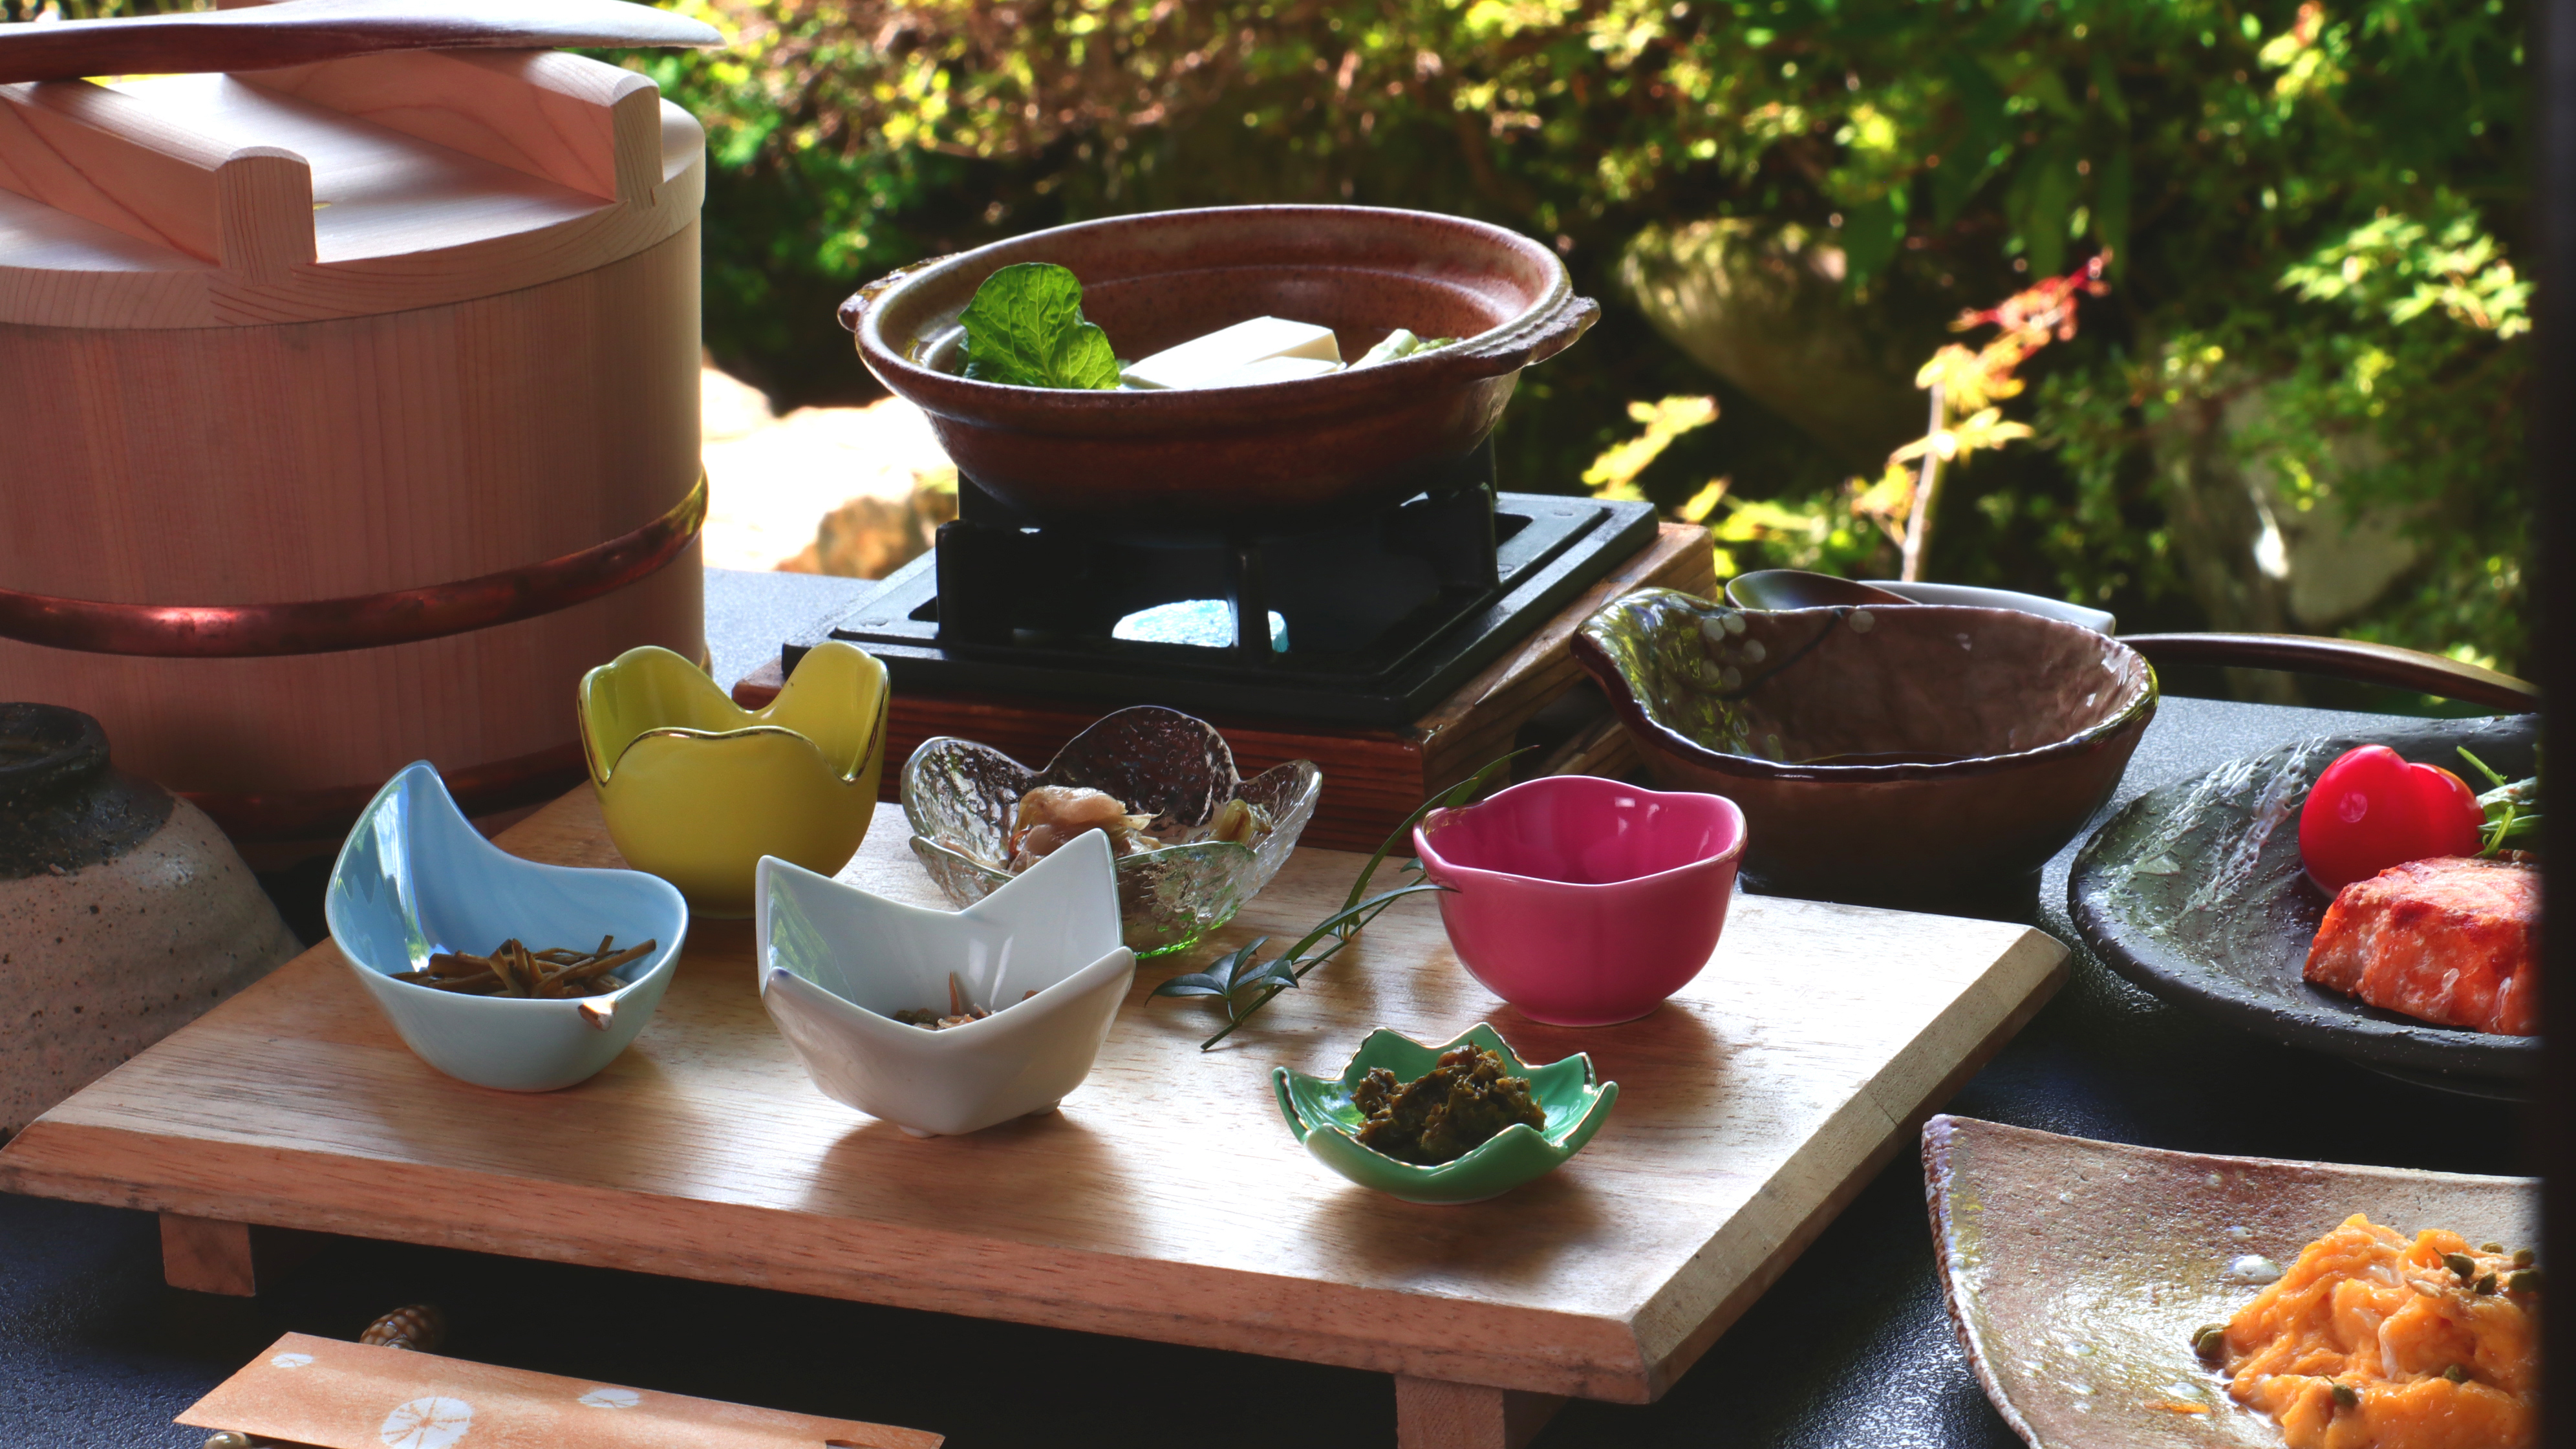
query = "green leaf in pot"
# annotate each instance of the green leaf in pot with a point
(1025, 328)
(1401, 343)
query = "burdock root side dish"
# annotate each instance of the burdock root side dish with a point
(960, 1010)
(2372, 1342)
(1452, 1110)
(514, 970)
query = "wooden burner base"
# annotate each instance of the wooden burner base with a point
(1373, 778)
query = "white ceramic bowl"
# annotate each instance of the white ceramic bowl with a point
(415, 877)
(836, 963)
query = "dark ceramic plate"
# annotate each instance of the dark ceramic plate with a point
(2077, 1270)
(2194, 892)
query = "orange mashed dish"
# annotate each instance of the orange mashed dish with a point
(2372, 1342)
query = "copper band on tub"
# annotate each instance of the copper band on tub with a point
(365, 621)
(329, 811)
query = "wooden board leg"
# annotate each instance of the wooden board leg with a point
(1430, 1414)
(207, 1256)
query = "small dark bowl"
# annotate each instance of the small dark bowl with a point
(1234, 462)
(1894, 754)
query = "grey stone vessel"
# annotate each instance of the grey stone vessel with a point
(124, 912)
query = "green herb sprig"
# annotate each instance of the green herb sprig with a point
(1245, 984)
(2512, 808)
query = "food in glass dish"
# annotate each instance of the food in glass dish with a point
(1051, 815)
(2454, 940)
(514, 970)
(1449, 1111)
(2370, 1341)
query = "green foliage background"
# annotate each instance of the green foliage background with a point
(2310, 206)
(2312, 210)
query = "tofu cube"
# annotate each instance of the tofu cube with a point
(1207, 361)
(1275, 369)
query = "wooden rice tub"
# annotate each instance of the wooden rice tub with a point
(347, 414)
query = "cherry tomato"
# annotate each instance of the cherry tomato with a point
(2371, 810)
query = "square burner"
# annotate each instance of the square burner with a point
(1372, 622)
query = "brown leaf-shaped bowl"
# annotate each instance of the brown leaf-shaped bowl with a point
(1883, 754)
(2077, 1270)
(1228, 462)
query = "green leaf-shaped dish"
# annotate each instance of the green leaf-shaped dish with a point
(1320, 1112)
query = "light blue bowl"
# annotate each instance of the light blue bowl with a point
(415, 877)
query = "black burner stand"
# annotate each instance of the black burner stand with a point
(1000, 574)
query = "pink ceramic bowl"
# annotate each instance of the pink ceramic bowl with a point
(1583, 901)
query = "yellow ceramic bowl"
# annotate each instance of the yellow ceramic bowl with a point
(697, 789)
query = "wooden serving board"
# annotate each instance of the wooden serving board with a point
(1166, 1200)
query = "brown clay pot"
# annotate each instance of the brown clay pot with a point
(1234, 462)
(1996, 734)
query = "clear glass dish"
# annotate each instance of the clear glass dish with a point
(959, 798)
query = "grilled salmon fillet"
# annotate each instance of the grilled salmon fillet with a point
(2452, 940)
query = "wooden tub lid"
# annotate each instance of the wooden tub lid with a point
(346, 188)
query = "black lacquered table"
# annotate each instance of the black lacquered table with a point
(1851, 1347)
